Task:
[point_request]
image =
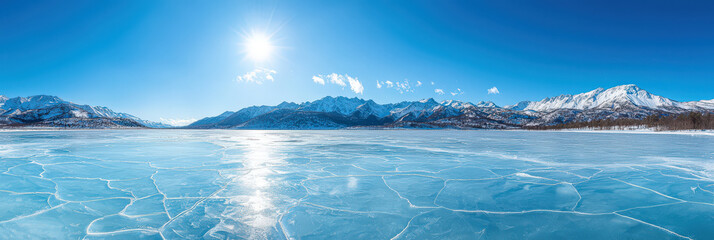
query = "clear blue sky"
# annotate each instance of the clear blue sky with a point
(182, 59)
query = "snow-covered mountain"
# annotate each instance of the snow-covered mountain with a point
(371, 108)
(417, 109)
(52, 111)
(625, 101)
(624, 96)
(341, 105)
(340, 112)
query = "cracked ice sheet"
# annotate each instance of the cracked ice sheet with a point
(175, 184)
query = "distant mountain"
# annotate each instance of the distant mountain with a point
(625, 101)
(342, 112)
(52, 111)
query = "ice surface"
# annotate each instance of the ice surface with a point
(216, 184)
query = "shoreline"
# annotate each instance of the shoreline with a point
(709, 132)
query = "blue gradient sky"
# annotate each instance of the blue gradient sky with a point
(181, 59)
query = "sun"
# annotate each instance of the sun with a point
(258, 47)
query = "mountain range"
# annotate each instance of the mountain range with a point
(625, 101)
(51, 111)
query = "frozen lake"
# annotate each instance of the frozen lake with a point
(215, 184)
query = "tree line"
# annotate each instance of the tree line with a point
(658, 122)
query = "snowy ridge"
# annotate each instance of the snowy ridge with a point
(613, 98)
(420, 108)
(704, 104)
(486, 104)
(457, 104)
(341, 105)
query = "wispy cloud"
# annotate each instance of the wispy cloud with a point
(355, 85)
(257, 76)
(458, 92)
(493, 90)
(439, 91)
(418, 84)
(318, 80)
(177, 122)
(401, 87)
(339, 79)
(432, 83)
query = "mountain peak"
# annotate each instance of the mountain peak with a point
(31, 102)
(520, 106)
(627, 86)
(487, 104)
(428, 100)
(286, 104)
(340, 104)
(456, 104)
(625, 89)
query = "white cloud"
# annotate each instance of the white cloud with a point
(257, 76)
(432, 83)
(439, 91)
(458, 92)
(418, 83)
(339, 79)
(177, 122)
(493, 90)
(318, 80)
(401, 87)
(355, 85)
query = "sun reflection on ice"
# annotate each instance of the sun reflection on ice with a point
(250, 191)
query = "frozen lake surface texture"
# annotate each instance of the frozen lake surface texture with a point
(174, 184)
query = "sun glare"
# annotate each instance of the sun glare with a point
(258, 47)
